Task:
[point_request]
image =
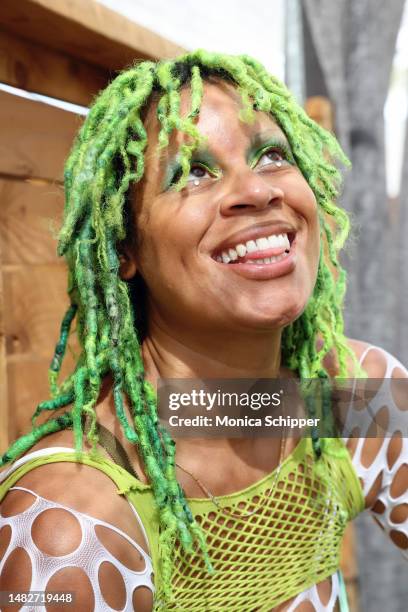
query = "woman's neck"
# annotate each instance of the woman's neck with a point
(251, 356)
(167, 355)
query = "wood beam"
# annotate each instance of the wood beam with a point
(34, 67)
(86, 30)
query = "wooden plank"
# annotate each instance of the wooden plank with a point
(28, 386)
(320, 109)
(35, 301)
(85, 29)
(36, 68)
(35, 138)
(4, 424)
(30, 214)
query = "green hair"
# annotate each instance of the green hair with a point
(107, 157)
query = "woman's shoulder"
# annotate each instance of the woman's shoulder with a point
(375, 360)
(80, 485)
(385, 390)
(59, 501)
(77, 485)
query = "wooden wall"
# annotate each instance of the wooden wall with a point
(69, 50)
(35, 141)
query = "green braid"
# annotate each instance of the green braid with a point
(60, 349)
(107, 157)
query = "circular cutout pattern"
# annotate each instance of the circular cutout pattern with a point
(399, 387)
(370, 450)
(16, 502)
(400, 539)
(56, 532)
(16, 574)
(399, 514)
(112, 585)
(324, 591)
(5, 537)
(120, 548)
(394, 449)
(142, 598)
(74, 580)
(398, 485)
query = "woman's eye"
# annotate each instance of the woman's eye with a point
(271, 157)
(198, 172)
(196, 175)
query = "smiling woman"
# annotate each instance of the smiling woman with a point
(251, 197)
(202, 239)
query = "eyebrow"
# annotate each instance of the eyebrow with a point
(204, 153)
(260, 138)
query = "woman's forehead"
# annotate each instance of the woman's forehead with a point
(218, 121)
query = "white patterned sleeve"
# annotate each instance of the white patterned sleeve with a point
(46, 545)
(382, 463)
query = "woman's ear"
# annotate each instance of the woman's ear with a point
(127, 264)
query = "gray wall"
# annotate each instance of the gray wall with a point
(349, 50)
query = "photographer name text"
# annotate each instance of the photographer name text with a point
(246, 421)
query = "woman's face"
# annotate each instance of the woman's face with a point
(238, 248)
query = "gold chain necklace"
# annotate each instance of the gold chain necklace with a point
(215, 500)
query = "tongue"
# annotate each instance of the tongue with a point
(262, 254)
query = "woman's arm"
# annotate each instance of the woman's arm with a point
(382, 462)
(73, 533)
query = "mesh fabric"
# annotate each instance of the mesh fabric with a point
(290, 543)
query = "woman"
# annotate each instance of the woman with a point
(202, 241)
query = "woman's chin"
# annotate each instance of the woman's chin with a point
(267, 318)
(262, 306)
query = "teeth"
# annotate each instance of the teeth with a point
(285, 241)
(278, 257)
(270, 242)
(274, 241)
(262, 244)
(267, 260)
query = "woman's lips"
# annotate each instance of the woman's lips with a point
(264, 271)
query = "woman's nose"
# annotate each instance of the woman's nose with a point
(249, 190)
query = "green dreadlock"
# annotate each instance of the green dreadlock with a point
(107, 157)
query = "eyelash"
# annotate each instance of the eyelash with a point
(280, 148)
(177, 174)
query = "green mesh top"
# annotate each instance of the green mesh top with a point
(290, 543)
